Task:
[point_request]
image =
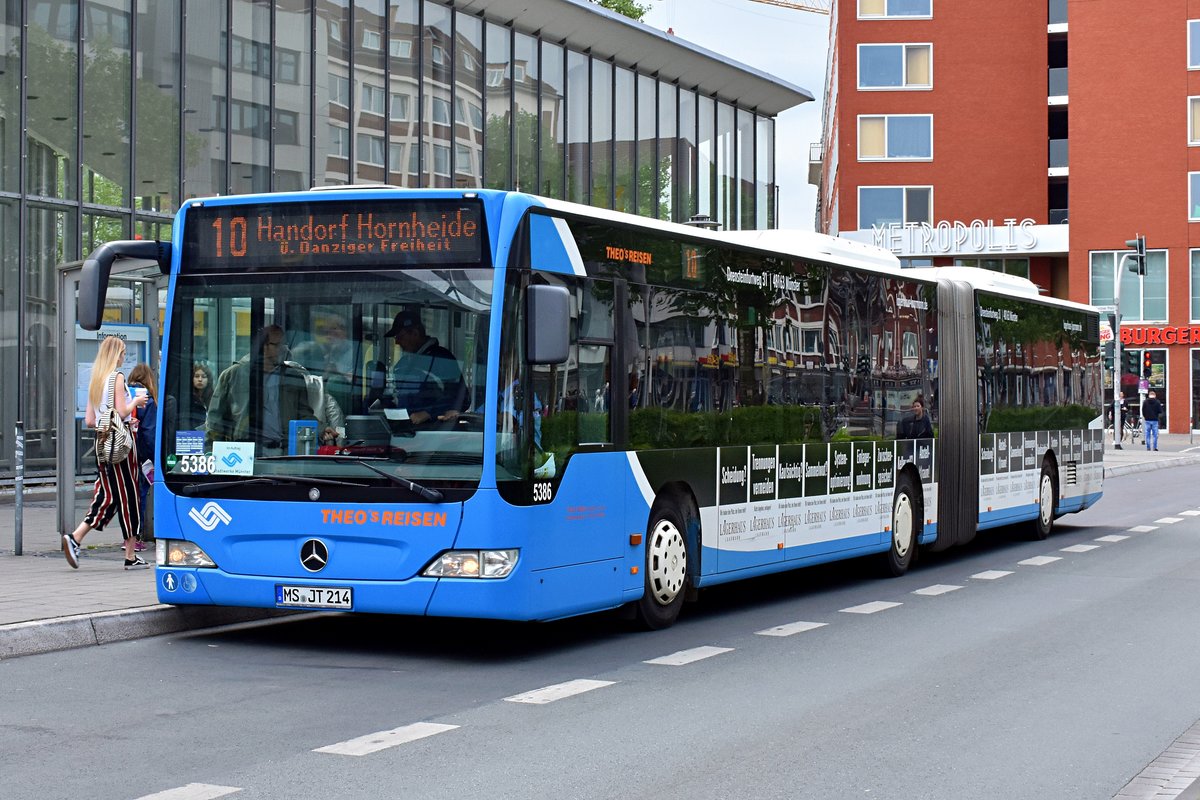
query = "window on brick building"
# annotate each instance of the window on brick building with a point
(895, 66)
(881, 206)
(894, 8)
(1143, 297)
(896, 137)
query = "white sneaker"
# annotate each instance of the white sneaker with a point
(70, 549)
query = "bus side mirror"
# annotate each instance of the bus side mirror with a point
(547, 324)
(93, 277)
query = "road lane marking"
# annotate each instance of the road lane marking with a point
(1143, 528)
(1168, 520)
(936, 589)
(870, 608)
(193, 791)
(374, 742)
(559, 691)
(689, 656)
(1189, 513)
(1080, 548)
(1112, 538)
(992, 574)
(792, 628)
(1039, 561)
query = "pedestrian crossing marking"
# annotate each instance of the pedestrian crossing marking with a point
(1168, 520)
(1080, 548)
(1113, 538)
(1143, 528)
(1039, 561)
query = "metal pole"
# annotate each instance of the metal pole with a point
(19, 486)
(1117, 353)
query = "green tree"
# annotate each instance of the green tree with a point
(627, 7)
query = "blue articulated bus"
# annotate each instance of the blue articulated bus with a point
(488, 404)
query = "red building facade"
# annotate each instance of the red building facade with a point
(1033, 138)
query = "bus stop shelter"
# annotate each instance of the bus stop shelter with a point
(132, 311)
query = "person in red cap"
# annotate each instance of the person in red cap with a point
(427, 380)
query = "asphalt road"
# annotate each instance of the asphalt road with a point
(1060, 680)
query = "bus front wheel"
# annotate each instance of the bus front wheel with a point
(666, 567)
(906, 525)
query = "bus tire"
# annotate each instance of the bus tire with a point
(666, 566)
(1043, 523)
(907, 514)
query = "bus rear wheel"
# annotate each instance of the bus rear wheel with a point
(906, 525)
(1043, 523)
(666, 567)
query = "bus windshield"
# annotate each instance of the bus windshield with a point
(356, 382)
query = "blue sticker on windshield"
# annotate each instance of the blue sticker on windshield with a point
(189, 442)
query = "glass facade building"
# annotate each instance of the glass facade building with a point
(112, 112)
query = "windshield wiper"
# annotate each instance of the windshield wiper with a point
(193, 489)
(432, 495)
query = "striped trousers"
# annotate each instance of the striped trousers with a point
(116, 495)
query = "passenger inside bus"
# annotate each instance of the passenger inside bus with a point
(427, 381)
(284, 394)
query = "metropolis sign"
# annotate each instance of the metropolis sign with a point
(978, 237)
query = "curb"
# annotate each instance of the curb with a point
(1150, 466)
(82, 630)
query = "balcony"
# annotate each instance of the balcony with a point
(816, 153)
(1058, 158)
(1058, 216)
(1056, 86)
(1057, 17)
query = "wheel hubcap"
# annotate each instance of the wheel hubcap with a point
(666, 562)
(1046, 500)
(902, 525)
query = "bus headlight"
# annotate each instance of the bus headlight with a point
(180, 553)
(473, 564)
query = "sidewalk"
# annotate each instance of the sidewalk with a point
(45, 605)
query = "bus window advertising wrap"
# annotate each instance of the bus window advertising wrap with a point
(325, 234)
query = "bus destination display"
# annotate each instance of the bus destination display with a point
(333, 234)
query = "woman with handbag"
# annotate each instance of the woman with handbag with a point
(116, 490)
(141, 380)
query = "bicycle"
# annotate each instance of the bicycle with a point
(1133, 427)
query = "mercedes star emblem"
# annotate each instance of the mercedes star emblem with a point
(314, 555)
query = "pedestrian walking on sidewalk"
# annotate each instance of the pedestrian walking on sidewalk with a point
(141, 378)
(1151, 411)
(116, 489)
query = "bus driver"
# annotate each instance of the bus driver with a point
(427, 380)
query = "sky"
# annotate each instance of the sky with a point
(785, 43)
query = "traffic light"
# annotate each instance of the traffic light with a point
(1137, 261)
(1130, 358)
(1146, 364)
